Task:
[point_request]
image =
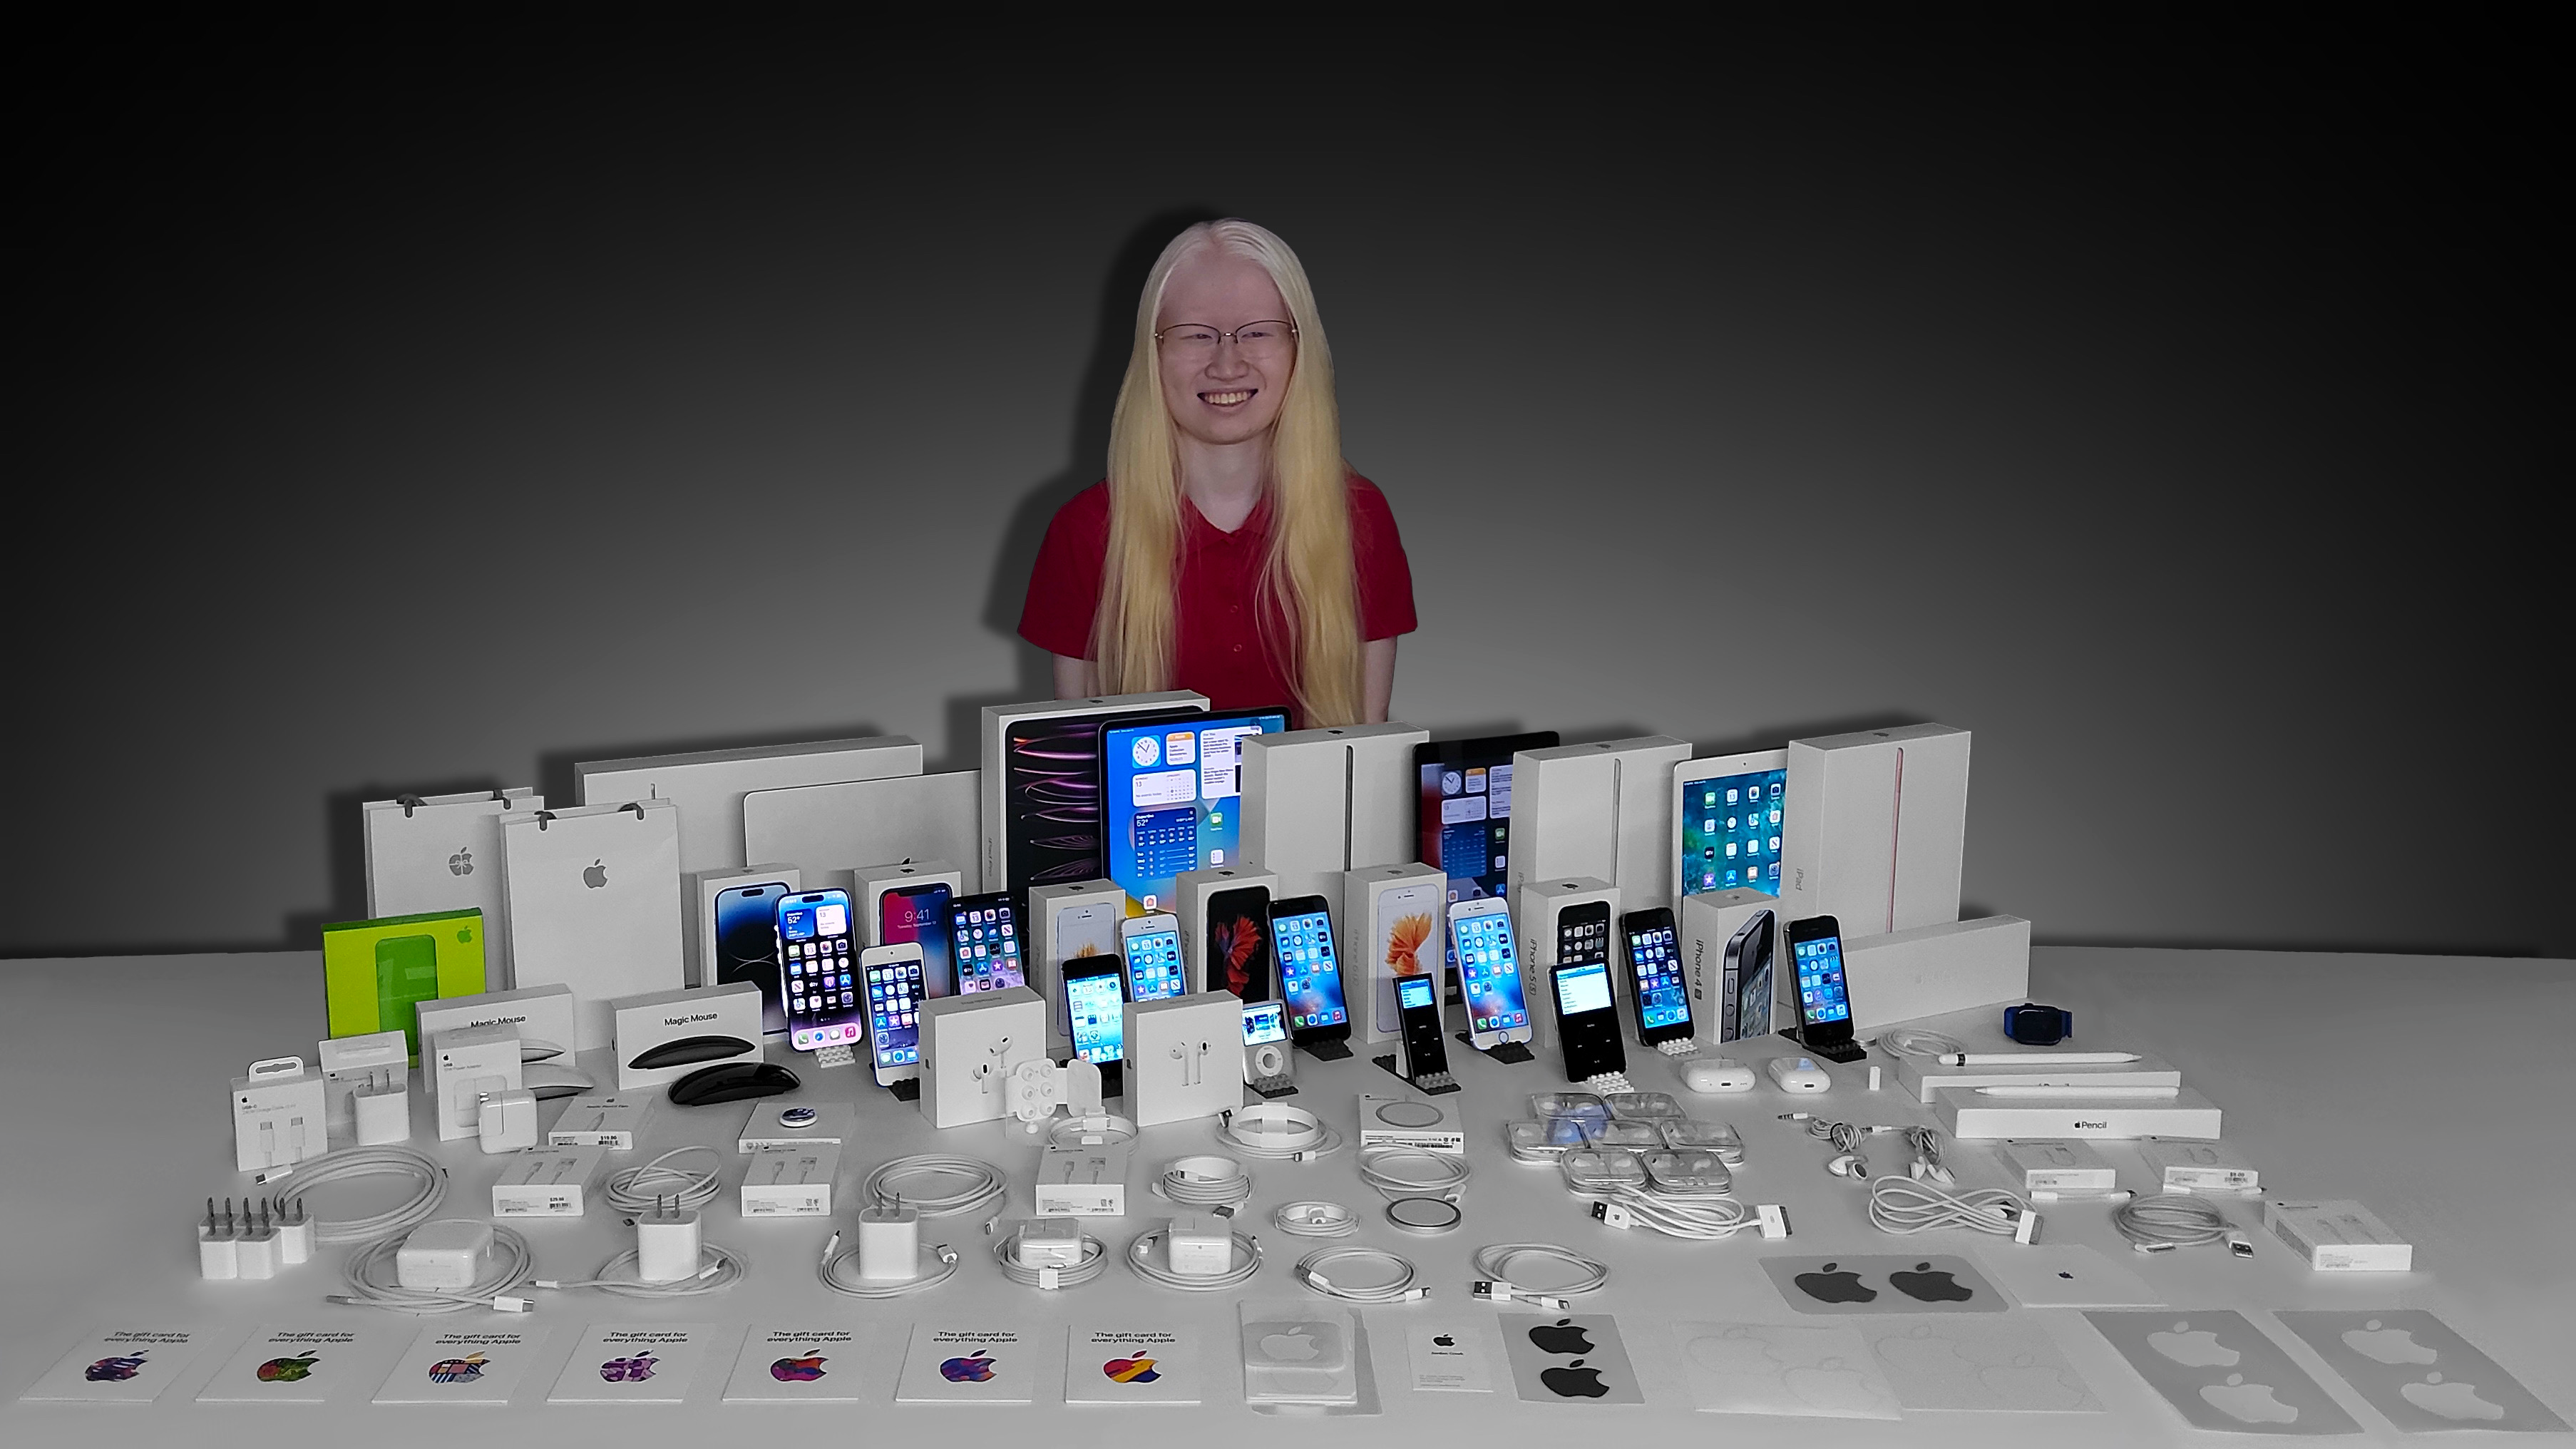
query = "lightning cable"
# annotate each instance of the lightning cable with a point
(2167, 1221)
(986, 1185)
(1217, 1183)
(1904, 1205)
(1701, 1219)
(1315, 1219)
(938, 1265)
(1142, 1261)
(1096, 1129)
(721, 1268)
(643, 1189)
(1493, 1265)
(1006, 1255)
(1398, 1289)
(1913, 1041)
(1277, 1131)
(1447, 1179)
(374, 1282)
(351, 1162)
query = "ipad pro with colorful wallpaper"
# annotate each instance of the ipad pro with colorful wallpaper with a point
(1463, 813)
(1726, 813)
(1051, 800)
(1173, 784)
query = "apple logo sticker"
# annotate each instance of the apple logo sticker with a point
(2387, 1345)
(1927, 1284)
(1829, 1385)
(596, 876)
(1571, 1381)
(461, 863)
(1560, 1337)
(2194, 1348)
(1834, 1284)
(2451, 1400)
(2247, 1403)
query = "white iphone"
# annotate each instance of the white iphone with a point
(1489, 972)
(1151, 944)
(894, 992)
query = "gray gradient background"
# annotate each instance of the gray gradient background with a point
(410, 408)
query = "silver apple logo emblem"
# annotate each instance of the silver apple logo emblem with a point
(596, 876)
(461, 863)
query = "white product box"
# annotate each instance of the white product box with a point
(599, 1120)
(1877, 829)
(545, 1182)
(1534, 912)
(1083, 1182)
(832, 1122)
(869, 882)
(443, 853)
(1968, 1115)
(541, 1016)
(464, 1065)
(705, 964)
(2338, 1236)
(1646, 852)
(1318, 803)
(1425, 1122)
(1395, 919)
(1708, 925)
(1061, 923)
(839, 827)
(352, 1064)
(1004, 785)
(674, 1033)
(969, 1046)
(2212, 1167)
(595, 904)
(1190, 892)
(790, 1182)
(278, 1114)
(2055, 1166)
(1922, 1078)
(708, 786)
(1565, 814)
(1184, 1057)
(1926, 971)
(1385, 793)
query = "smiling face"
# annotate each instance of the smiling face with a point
(1229, 393)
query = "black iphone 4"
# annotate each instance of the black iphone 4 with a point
(1310, 976)
(1824, 998)
(1655, 987)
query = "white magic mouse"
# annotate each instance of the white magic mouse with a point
(1799, 1074)
(1718, 1074)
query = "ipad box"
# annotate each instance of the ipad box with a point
(852, 823)
(1317, 803)
(1079, 918)
(1049, 775)
(1393, 922)
(717, 1024)
(708, 786)
(704, 963)
(1534, 913)
(436, 853)
(869, 883)
(969, 1046)
(1926, 971)
(1724, 1006)
(542, 1016)
(1184, 1057)
(1877, 829)
(1645, 876)
(375, 972)
(595, 904)
(1191, 890)
(1602, 809)
(1386, 793)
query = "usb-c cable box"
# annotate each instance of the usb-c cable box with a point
(1083, 1182)
(2338, 1236)
(1876, 830)
(2059, 1166)
(277, 1115)
(790, 1182)
(544, 1182)
(2199, 1166)
(601, 1121)
(1969, 1115)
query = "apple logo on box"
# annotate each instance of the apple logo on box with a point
(2193, 1348)
(596, 876)
(2249, 1403)
(461, 863)
(1561, 1336)
(1572, 1381)
(2451, 1401)
(1834, 1284)
(1928, 1284)
(1445, 1340)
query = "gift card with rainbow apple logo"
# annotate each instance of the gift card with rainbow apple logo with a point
(1569, 1358)
(122, 1365)
(295, 1364)
(796, 1364)
(634, 1363)
(461, 1366)
(1120, 1363)
(2004, 1365)
(974, 1365)
(1798, 1372)
(1883, 1283)
(2413, 1368)
(2221, 1372)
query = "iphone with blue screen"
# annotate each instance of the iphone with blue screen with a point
(1824, 997)
(1095, 1015)
(1310, 976)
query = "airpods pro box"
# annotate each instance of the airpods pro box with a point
(869, 883)
(1065, 922)
(1184, 1057)
(1392, 922)
(1191, 892)
(1729, 943)
(1876, 829)
(542, 1016)
(969, 1044)
(1534, 914)
(663, 1036)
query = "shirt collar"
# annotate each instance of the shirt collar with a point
(1256, 525)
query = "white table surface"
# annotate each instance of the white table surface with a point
(2438, 1091)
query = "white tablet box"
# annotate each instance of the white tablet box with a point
(1184, 1057)
(443, 853)
(541, 1015)
(1877, 829)
(1969, 1115)
(858, 822)
(1925, 971)
(1602, 809)
(704, 887)
(1923, 1078)
(1385, 793)
(658, 1018)
(1376, 900)
(868, 883)
(708, 786)
(1317, 803)
(1705, 925)
(969, 1046)
(1534, 911)
(1190, 892)
(595, 904)
(1100, 903)
(994, 785)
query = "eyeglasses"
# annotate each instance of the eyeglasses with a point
(1254, 339)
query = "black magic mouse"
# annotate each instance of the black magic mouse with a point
(688, 1049)
(732, 1082)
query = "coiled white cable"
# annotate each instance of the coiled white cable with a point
(1493, 1265)
(721, 1268)
(1447, 1179)
(1904, 1205)
(938, 1265)
(1315, 1219)
(642, 1189)
(1277, 1131)
(1219, 1183)
(1097, 1129)
(1914, 1041)
(1095, 1260)
(1141, 1256)
(1398, 1289)
(1701, 1219)
(985, 1189)
(373, 1282)
(2164, 1222)
(351, 1162)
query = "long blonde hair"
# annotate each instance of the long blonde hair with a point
(1308, 570)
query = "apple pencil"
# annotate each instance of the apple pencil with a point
(2034, 1089)
(2036, 1059)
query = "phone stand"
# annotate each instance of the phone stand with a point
(1510, 1053)
(1388, 1064)
(1326, 1051)
(907, 1090)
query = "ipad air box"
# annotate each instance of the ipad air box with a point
(374, 973)
(595, 904)
(1877, 829)
(443, 853)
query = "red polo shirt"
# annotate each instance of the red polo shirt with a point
(1220, 650)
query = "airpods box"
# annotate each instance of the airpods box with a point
(541, 1016)
(1083, 1182)
(1926, 971)
(969, 1044)
(869, 883)
(708, 786)
(704, 887)
(599, 1121)
(1007, 784)
(544, 1182)
(1064, 922)
(1393, 920)
(464, 1064)
(1709, 924)
(790, 1182)
(1190, 892)
(663, 1036)
(832, 1122)
(1534, 913)
(278, 1115)
(1317, 803)
(1876, 830)
(1184, 1057)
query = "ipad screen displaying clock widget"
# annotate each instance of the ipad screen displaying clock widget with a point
(818, 974)
(894, 1013)
(1489, 973)
(984, 937)
(1174, 792)
(1310, 978)
(1730, 826)
(1822, 996)
(918, 915)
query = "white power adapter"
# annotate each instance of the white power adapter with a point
(1198, 1245)
(1050, 1243)
(446, 1255)
(889, 1244)
(507, 1120)
(666, 1243)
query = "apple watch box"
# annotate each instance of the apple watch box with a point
(1392, 919)
(1876, 829)
(1104, 903)
(708, 786)
(849, 824)
(545, 1182)
(1708, 923)
(1190, 892)
(1534, 913)
(790, 1182)
(1925, 971)
(704, 886)
(995, 780)
(969, 1044)
(1184, 1057)
(465, 1065)
(595, 904)
(870, 882)
(663, 1036)
(542, 1016)
(434, 853)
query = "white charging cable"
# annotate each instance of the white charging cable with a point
(938, 1265)
(1701, 1219)
(351, 1162)
(1277, 1131)
(1094, 1260)
(721, 1268)
(1914, 1041)
(374, 1282)
(1494, 1263)
(1095, 1129)
(1399, 1288)
(647, 1188)
(1315, 1219)
(1142, 1258)
(2167, 1221)
(1905, 1205)
(986, 1185)
(1448, 1176)
(1216, 1183)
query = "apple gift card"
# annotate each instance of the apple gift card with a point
(1569, 1359)
(1880, 1283)
(972, 1366)
(792, 1363)
(2220, 1372)
(2414, 1369)
(126, 1365)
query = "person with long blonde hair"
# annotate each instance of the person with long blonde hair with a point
(1231, 550)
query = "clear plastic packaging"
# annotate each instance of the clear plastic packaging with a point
(1642, 1106)
(1544, 1140)
(1583, 1105)
(1629, 1136)
(1592, 1170)
(1688, 1173)
(1687, 1135)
